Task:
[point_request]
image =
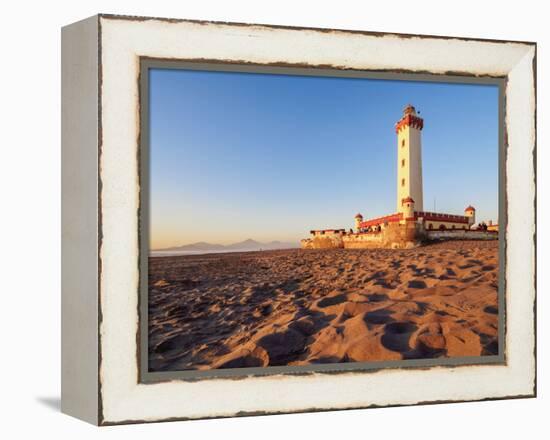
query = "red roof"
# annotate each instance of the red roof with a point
(470, 208)
(327, 230)
(381, 220)
(358, 215)
(437, 217)
(407, 200)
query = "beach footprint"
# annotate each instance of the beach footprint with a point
(397, 335)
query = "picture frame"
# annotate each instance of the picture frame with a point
(104, 217)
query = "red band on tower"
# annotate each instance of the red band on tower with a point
(409, 120)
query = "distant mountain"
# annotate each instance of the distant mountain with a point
(246, 244)
(243, 246)
(199, 246)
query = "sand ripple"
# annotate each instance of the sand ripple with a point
(299, 307)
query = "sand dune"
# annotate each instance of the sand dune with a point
(297, 307)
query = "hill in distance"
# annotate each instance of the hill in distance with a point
(242, 246)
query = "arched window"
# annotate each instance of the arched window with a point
(430, 226)
(403, 142)
(402, 162)
(402, 182)
(442, 227)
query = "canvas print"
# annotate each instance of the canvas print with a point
(300, 220)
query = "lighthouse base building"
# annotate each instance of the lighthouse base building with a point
(410, 226)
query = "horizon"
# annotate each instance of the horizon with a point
(227, 244)
(238, 156)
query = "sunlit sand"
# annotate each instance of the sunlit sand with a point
(300, 307)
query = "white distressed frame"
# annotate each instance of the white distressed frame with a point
(122, 42)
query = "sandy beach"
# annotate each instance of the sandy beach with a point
(300, 307)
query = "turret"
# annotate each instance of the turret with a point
(470, 212)
(407, 208)
(358, 220)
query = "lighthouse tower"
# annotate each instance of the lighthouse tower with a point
(409, 158)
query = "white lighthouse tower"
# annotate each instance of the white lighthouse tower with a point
(409, 159)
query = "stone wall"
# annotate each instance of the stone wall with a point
(363, 240)
(393, 236)
(325, 242)
(458, 234)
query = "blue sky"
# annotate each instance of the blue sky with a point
(269, 157)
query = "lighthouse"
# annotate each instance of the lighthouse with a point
(409, 158)
(409, 225)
